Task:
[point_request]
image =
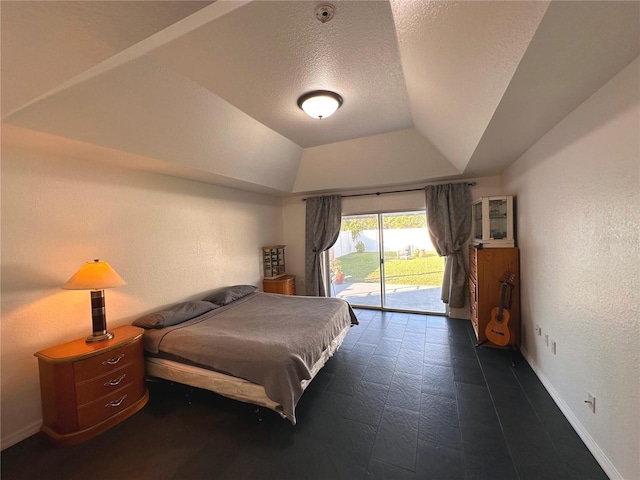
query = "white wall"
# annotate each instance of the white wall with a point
(365, 162)
(578, 201)
(294, 220)
(170, 239)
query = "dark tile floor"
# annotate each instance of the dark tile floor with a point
(406, 397)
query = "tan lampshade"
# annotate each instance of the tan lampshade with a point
(95, 275)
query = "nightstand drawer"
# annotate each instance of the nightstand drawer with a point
(284, 285)
(109, 405)
(107, 362)
(89, 390)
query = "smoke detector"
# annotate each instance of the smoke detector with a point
(325, 12)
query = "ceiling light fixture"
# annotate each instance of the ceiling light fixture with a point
(320, 103)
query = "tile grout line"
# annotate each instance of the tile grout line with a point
(455, 390)
(504, 437)
(535, 411)
(366, 470)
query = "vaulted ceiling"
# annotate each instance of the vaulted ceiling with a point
(432, 89)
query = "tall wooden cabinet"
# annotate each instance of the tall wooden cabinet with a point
(487, 268)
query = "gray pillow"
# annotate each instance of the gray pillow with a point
(229, 294)
(178, 313)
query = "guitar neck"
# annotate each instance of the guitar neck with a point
(503, 293)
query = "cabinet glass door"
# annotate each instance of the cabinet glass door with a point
(477, 220)
(498, 219)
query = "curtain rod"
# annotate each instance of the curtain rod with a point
(471, 184)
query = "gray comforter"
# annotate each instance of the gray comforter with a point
(271, 340)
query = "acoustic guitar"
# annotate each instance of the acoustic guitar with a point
(497, 330)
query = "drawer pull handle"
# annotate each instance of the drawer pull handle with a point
(113, 383)
(117, 403)
(113, 361)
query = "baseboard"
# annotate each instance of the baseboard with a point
(20, 435)
(582, 432)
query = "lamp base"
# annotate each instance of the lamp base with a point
(99, 338)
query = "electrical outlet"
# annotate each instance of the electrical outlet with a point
(553, 347)
(538, 330)
(546, 340)
(591, 402)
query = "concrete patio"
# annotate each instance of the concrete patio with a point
(400, 297)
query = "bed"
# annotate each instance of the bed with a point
(255, 347)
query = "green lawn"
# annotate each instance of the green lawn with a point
(365, 268)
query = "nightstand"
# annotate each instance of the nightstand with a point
(87, 388)
(284, 285)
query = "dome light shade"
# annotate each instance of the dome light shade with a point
(320, 103)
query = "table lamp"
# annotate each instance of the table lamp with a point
(96, 276)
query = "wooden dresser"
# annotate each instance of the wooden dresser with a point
(487, 267)
(87, 388)
(285, 285)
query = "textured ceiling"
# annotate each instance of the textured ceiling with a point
(285, 51)
(47, 43)
(202, 90)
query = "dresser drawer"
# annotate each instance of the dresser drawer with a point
(289, 288)
(473, 291)
(473, 263)
(109, 405)
(89, 390)
(474, 314)
(473, 301)
(107, 362)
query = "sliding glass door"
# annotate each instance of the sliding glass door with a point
(412, 269)
(386, 260)
(355, 261)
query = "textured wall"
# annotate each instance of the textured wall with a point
(578, 201)
(169, 239)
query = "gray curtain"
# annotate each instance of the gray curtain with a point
(323, 218)
(449, 223)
